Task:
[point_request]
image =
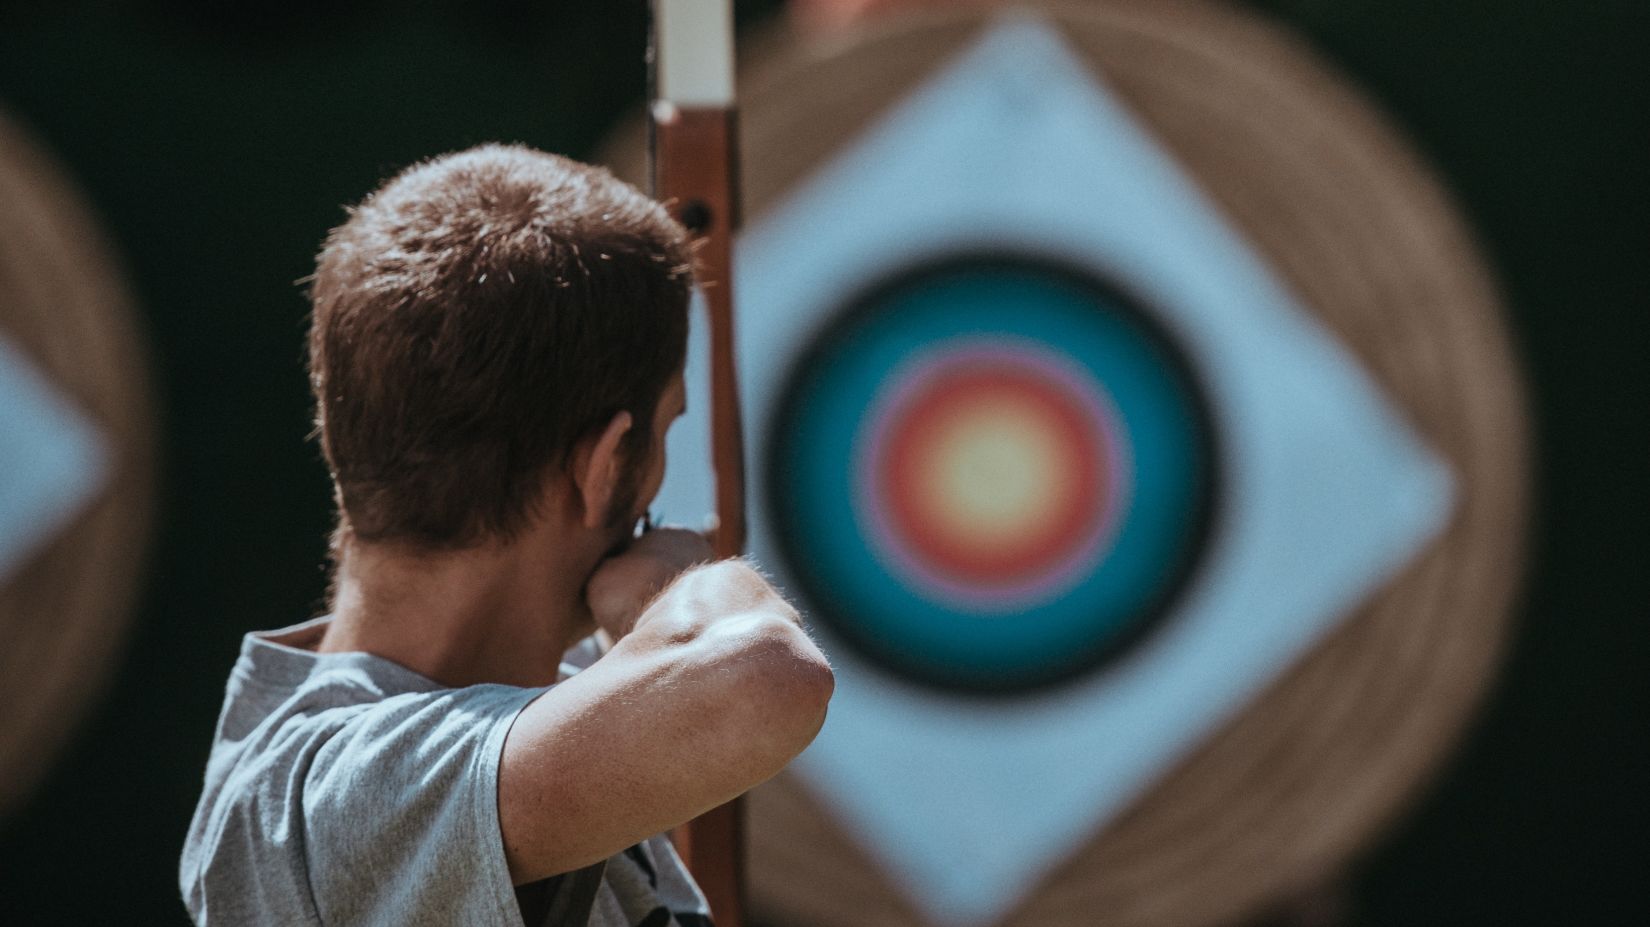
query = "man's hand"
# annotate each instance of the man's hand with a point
(715, 689)
(623, 585)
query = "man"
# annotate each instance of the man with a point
(496, 355)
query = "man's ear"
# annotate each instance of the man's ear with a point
(598, 464)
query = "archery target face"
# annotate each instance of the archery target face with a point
(991, 473)
(986, 470)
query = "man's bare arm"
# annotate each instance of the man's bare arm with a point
(714, 690)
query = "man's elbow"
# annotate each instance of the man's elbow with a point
(784, 685)
(800, 676)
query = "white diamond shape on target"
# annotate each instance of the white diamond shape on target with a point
(1326, 492)
(51, 460)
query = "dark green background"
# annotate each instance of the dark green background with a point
(218, 141)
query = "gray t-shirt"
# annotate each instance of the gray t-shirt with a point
(345, 789)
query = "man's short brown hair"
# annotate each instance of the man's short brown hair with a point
(473, 319)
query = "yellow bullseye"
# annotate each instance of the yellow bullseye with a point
(1000, 474)
(993, 472)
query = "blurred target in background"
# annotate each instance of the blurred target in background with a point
(1134, 422)
(75, 437)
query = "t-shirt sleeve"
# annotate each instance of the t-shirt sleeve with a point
(400, 810)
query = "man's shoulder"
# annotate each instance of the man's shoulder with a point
(348, 709)
(281, 688)
(328, 775)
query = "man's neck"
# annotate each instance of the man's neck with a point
(497, 613)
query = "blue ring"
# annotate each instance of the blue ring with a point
(812, 465)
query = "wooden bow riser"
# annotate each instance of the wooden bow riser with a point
(695, 175)
(695, 161)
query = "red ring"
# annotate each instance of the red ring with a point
(905, 469)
